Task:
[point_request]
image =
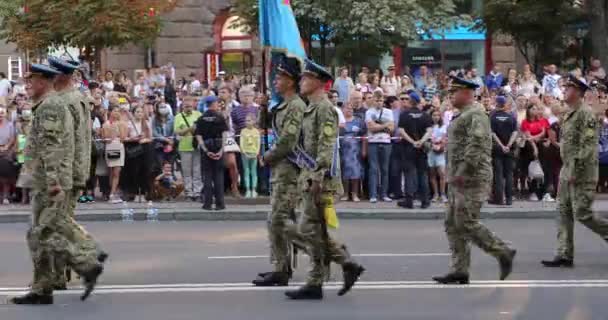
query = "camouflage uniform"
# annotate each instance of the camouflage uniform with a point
(579, 137)
(77, 105)
(53, 233)
(287, 119)
(319, 130)
(469, 154)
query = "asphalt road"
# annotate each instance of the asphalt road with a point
(202, 270)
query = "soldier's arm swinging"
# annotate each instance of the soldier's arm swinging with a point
(477, 135)
(52, 128)
(289, 137)
(328, 133)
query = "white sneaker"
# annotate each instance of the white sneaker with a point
(373, 200)
(533, 197)
(548, 198)
(248, 194)
(115, 199)
(387, 199)
(6, 201)
(344, 198)
(254, 194)
(444, 199)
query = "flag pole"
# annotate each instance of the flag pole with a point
(264, 92)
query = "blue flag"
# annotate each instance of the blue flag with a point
(279, 31)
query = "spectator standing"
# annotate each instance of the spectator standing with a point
(504, 133)
(475, 78)
(362, 83)
(436, 156)
(528, 85)
(344, 85)
(380, 125)
(356, 102)
(184, 127)
(551, 83)
(596, 72)
(23, 131)
(7, 156)
(231, 148)
(211, 128)
(534, 129)
(396, 173)
(423, 79)
(195, 85)
(108, 83)
(163, 135)
(5, 88)
(415, 129)
(551, 149)
(140, 89)
(494, 79)
(115, 131)
(406, 84)
(250, 141)
(390, 83)
(352, 152)
(138, 163)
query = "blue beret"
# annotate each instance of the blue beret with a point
(290, 67)
(209, 100)
(460, 83)
(316, 71)
(577, 83)
(414, 96)
(64, 66)
(43, 71)
(501, 100)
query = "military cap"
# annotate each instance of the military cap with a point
(577, 83)
(460, 83)
(501, 100)
(315, 70)
(42, 70)
(414, 96)
(290, 67)
(64, 66)
(210, 99)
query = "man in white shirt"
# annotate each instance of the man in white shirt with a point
(5, 86)
(390, 83)
(195, 85)
(380, 125)
(551, 82)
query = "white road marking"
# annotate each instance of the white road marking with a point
(375, 255)
(362, 285)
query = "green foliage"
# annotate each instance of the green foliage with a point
(81, 23)
(540, 28)
(368, 26)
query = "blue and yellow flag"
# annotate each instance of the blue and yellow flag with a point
(279, 32)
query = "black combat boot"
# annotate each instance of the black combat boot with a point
(351, 273)
(558, 262)
(307, 292)
(33, 298)
(102, 257)
(506, 263)
(407, 203)
(89, 280)
(272, 279)
(60, 287)
(453, 278)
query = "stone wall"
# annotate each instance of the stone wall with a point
(505, 54)
(187, 33)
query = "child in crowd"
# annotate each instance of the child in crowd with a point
(25, 176)
(166, 185)
(250, 150)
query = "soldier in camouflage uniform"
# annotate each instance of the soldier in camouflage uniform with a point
(579, 175)
(50, 154)
(318, 182)
(287, 122)
(469, 154)
(78, 107)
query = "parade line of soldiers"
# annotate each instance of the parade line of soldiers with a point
(305, 171)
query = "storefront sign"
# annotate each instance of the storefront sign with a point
(420, 56)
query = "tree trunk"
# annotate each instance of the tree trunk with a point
(598, 29)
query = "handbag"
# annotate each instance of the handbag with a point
(134, 150)
(535, 171)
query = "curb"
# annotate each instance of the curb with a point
(262, 214)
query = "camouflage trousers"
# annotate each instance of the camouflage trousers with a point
(308, 234)
(575, 201)
(55, 235)
(284, 202)
(462, 226)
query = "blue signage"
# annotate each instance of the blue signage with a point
(455, 33)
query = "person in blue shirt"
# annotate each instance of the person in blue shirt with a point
(494, 79)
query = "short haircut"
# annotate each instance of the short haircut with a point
(246, 91)
(378, 94)
(227, 88)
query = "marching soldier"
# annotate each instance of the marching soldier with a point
(77, 105)
(286, 126)
(469, 153)
(319, 181)
(579, 175)
(50, 155)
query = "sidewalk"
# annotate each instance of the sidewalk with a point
(258, 209)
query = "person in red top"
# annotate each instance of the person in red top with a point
(534, 130)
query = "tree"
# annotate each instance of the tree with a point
(597, 11)
(361, 27)
(540, 28)
(92, 24)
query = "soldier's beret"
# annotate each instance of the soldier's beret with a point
(42, 70)
(316, 71)
(577, 83)
(501, 100)
(64, 66)
(460, 83)
(290, 67)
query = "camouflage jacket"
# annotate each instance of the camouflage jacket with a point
(78, 106)
(50, 149)
(469, 148)
(319, 138)
(579, 143)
